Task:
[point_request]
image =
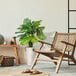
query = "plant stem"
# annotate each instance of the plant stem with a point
(30, 44)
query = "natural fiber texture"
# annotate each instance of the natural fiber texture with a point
(18, 72)
(64, 37)
(7, 61)
(28, 74)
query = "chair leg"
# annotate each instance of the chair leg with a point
(35, 61)
(1, 58)
(58, 64)
(51, 57)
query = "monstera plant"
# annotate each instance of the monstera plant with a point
(30, 32)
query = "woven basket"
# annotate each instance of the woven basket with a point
(8, 61)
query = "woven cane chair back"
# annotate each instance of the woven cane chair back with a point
(67, 37)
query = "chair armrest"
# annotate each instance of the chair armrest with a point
(44, 42)
(67, 43)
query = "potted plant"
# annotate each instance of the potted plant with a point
(30, 32)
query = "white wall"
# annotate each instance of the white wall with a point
(52, 12)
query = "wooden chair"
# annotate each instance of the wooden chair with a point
(62, 43)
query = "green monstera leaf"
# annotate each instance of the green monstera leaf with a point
(30, 32)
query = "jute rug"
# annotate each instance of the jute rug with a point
(43, 74)
(15, 72)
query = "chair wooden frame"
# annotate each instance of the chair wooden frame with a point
(61, 54)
